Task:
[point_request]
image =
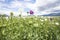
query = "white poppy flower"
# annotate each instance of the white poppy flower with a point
(57, 23)
(30, 21)
(45, 19)
(41, 20)
(36, 24)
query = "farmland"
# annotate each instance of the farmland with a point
(30, 28)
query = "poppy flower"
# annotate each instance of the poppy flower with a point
(31, 12)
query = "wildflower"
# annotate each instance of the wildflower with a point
(46, 35)
(21, 25)
(57, 23)
(41, 16)
(6, 18)
(41, 20)
(41, 23)
(25, 36)
(31, 12)
(30, 21)
(52, 22)
(35, 18)
(45, 19)
(3, 32)
(36, 35)
(4, 25)
(29, 34)
(36, 24)
(41, 37)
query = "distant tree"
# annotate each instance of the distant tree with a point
(3, 15)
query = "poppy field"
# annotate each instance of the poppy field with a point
(30, 28)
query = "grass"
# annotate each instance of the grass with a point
(30, 28)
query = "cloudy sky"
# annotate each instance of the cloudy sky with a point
(39, 7)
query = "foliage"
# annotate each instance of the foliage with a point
(29, 28)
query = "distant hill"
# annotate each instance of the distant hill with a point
(52, 14)
(4, 15)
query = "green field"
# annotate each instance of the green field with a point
(30, 28)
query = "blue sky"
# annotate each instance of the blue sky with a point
(39, 7)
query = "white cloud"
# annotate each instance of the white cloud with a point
(8, 12)
(40, 3)
(44, 2)
(30, 5)
(2, 0)
(5, 12)
(15, 4)
(33, 6)
(51, 10)
(27, 0)
(57, 8)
